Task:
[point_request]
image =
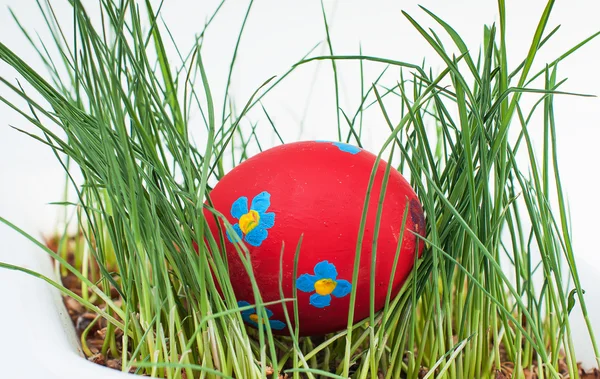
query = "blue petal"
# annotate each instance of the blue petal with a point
(347, 148)
(306, 282)
(256, 235)
(269, 312)
(246, 314)
(261, 202)
(342, 288)
(320, 301)
(251, 323)
(239, 207)
(238, 231)
(276, 324)
(267, 220)
(325, 270)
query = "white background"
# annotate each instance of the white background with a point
(277, 35)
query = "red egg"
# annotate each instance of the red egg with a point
(315, 190)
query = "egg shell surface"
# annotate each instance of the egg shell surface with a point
(315, 190)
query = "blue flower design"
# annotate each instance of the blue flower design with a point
(344, 147)
(251, 317)
(254, 222)
(323, 283)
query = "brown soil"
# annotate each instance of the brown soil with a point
(95, 339)
(82, 319)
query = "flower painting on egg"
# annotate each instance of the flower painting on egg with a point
(345, 147)
(254, 222)
(251, 317)
(323, 283)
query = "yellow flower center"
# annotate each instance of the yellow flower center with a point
(254, 317)
(325, 286)
(249, 221)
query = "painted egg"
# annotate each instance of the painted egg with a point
(315, 190)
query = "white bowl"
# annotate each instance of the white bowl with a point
(37, 336)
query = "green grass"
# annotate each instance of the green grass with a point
(471, 305)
